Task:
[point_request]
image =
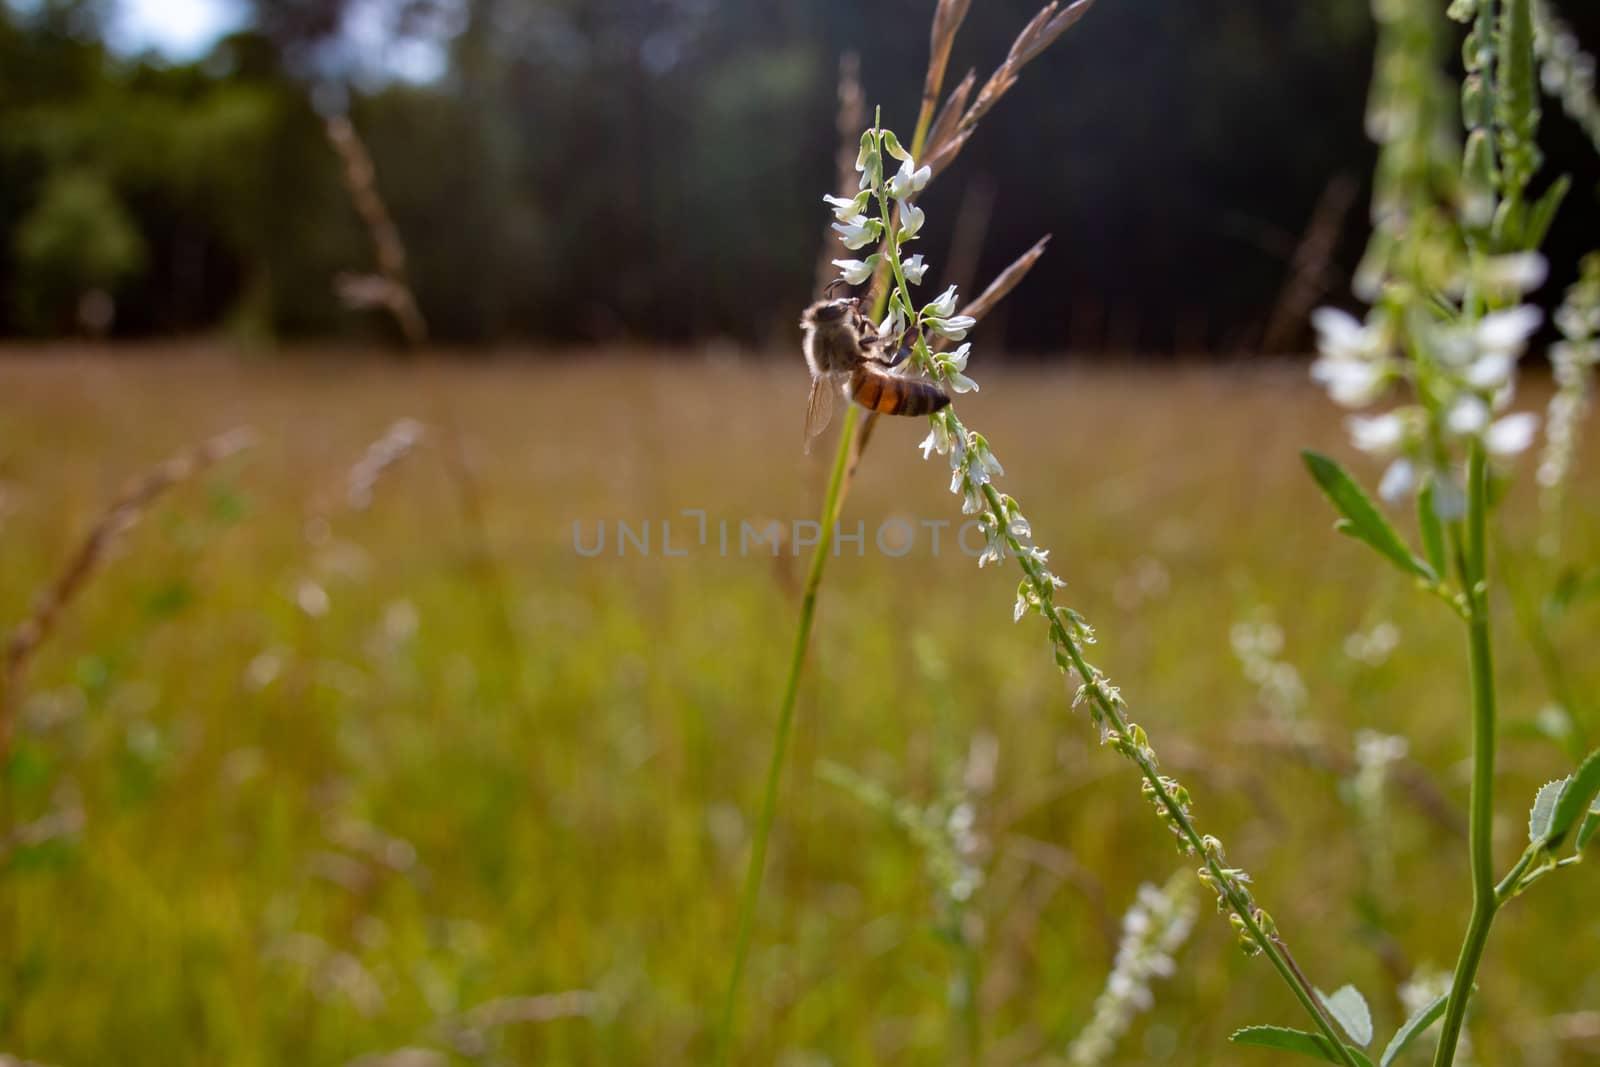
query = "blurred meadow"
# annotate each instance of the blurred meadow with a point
(302, 781)
(398, 399)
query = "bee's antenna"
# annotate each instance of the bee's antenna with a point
(828, 289)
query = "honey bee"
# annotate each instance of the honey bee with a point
(846, 356)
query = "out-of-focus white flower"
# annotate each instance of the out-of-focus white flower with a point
(1508, 331)
(1351, 383)
(857, 271)
(1398, 480)
(1152, 932)
(914, 269)
(1378, 434)
(908, 180)
(1468, 416)
(1342, 336)
(1512, 435)
(1491, 371)
(1521, 271)
(858, 231)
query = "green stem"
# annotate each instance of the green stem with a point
(780, 743)
(1480, 840)
(1271, 946)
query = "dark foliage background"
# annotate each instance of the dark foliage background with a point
(611, 170)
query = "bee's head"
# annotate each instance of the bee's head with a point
(830, 311)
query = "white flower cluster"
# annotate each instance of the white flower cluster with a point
(1152, 932)
(1566, 70)
(1463, 374)
(1573, 359)
(1258, 645)
(857, 229)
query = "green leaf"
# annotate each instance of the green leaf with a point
(1575, 798)
(1432, 528)
(1586, 832)
(1288, 1040)
(1362, 520)
(1425, 1017)
(1349, 1008)
(1543, 813)
(1544, 211)
(1570, 588)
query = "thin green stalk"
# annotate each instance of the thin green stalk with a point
(780, 742)
(1272, 946)
(833, 502)
(1480, 842)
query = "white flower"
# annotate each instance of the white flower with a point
(1511, 435)
(1398, 480)
(914, 269)
(1508, 331)
(1467, 416)
(845, 208)
(938, 439)
(908, 180)
(954, 328)
(893, 324)
(1341, 336)
(943, 307)
(1491, 371)
(1351, 383)
(857, 271)
(960, 383)
(986, 459)
(1522, 271)
(911, 220)
(1378, 434)
(857, 231)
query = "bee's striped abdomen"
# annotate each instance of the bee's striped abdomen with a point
(891, 394)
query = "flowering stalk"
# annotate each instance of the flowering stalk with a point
(1152, 931)
(1008, 534)
(1451, 259)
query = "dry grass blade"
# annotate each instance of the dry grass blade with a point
(391, 288)
(470, 1031)
(123, 514)
(1042, 31)
(1006, 281)
(1052, 30)
(1311, 276)
(947, 20)
(955, 106)
(852, 116)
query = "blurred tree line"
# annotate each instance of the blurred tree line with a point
(604, 170)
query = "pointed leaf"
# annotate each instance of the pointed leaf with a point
(1425, 1017)
(1575, 798)
(1349, 1008)
(1544, 212)
(1432, 528)
(1544, 810)
(1362, 520)
(1286, 1039)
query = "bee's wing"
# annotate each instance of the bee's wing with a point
(819, 409)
